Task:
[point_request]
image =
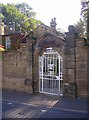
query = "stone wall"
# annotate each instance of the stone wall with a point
(0, 71)
(76, 65)
(16, 70)
(88, 70)
(20, 68)
(0, 63)
(81, 67)
(69, 76)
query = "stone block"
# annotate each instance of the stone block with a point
(70, 72)
(14, 84)
(81, 65)
(81, 50)
(83, 93)
(64, 71)
(81, 77)
(28, 89)
(81, 56)
(70, 78)
(82, 85)
(69, 58)
(79, 42)
(69, 50)
(70, 65)
(81, 72)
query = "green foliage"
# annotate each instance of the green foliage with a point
(26, 9)
(16, 20)
(85, 14)
(88, 25)
(61, 32)
(79, 28)
(1, 17)
(86, 21)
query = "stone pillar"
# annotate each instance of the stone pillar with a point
(36, 71)
(88, 71)
(69, 52)
(0, 64)
(1, 78)
(33, 62)
(30, 68)
(1, 32)
(70, 76)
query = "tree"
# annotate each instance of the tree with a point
(1, 17)
(88, 25)
(15, 19)
(85, 15)
(79, 28)
(26, 9)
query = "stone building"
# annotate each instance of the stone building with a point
(46, 63)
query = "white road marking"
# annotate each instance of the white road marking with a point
(70, 110)
(20, 103)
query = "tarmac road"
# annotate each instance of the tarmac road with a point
(32, 111)
(41, 107)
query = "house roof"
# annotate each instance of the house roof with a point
(41, 25)
(50, 40)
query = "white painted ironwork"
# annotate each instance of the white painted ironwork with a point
(50, 72)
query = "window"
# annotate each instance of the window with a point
(8, 42)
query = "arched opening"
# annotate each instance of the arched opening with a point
(51, 72)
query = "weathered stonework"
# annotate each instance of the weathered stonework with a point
(76, 64)
(21, 67)
(88, 70)
(0, 63)
(16, 73)
(42, 45)
(81, 67)
(0, 73)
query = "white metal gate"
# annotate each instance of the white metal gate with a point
(50, 73)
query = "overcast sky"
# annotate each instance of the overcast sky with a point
(67, 12)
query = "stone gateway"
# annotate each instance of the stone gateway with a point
(47, 63)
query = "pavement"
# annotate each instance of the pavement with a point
(22, 105)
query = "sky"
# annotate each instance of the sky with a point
(66, 12)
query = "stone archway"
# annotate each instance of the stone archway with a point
(42, 46)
